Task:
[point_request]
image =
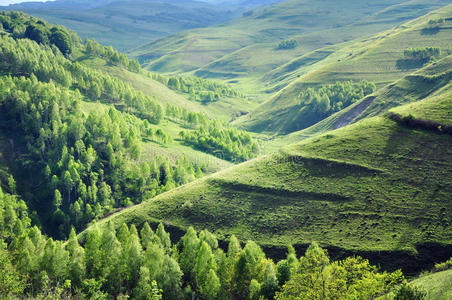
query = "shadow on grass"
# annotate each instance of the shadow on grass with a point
(409, 64)
(430, 30)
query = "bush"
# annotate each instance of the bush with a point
(444, 266)
(288, 44)
(406, 292)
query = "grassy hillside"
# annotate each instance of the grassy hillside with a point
(127, 24)
(379, 59)
(244, 50)
(431, 82)
(438, 286)
(375, 187)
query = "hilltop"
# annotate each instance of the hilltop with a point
(379, 60)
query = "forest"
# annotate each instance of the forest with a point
(142, 263)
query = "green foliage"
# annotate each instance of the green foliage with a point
(117, 263)
(226, 142)
(11, 282)
(407, 292)
(444, 265)
(423, 54)
(287, 44)
(90, 162)
(326, 100)
(22, 57)
(38, 31)
(198, 89)
(352, 278)
(111, 55)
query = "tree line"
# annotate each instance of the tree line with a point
(146, 264)
(111, 55)
(325, 100)
(198, 89)
(422, 54)
(221, 140)
(23, 57)
(87, 164)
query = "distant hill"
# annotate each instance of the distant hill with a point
(378, 187)
(379, 59)
(245, 49)
(126, 24)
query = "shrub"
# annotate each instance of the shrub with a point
(406, 292)
(288, 44)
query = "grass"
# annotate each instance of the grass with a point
(378, 59)
(373, 188)
(437, 285)
(432, 82)
(126, 24)
(173, 150)
(244, 51)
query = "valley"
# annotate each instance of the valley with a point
(208, 150)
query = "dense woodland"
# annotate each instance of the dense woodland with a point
(87, 162)
(145, 264)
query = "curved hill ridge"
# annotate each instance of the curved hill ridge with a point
(378, 59)
(432, 81)
(374, 186)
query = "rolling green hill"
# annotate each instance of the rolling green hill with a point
(376, 187)
(126, 24)
(379, 59)
(430, 82)
(244, 50)
(97, 142)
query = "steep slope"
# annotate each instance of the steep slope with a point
(80, 142)
(243, 50)
(375, 187)
(379, 59)
(432, 81)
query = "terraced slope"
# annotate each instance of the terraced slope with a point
(244, 50)
(431, 82)
(379, 59)
(376, 188)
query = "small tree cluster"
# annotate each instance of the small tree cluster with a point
(198, 89)
(324, 101)
(422, 54)
(225, 142)
(287, 44)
